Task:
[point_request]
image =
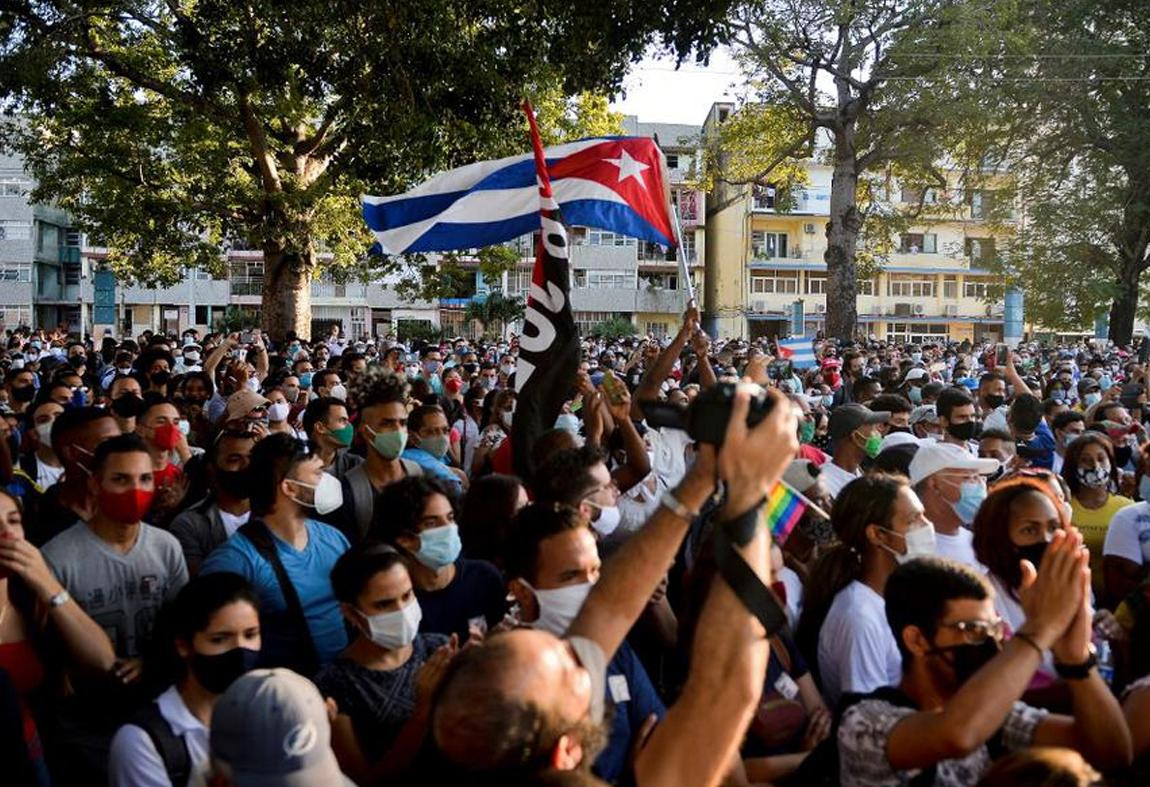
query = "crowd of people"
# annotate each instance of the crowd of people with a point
(231, 560)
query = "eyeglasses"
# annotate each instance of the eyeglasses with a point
(978, 631)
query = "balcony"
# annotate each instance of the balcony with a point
(327, 289)
(657, 300)
(247, 288)
(807, 201)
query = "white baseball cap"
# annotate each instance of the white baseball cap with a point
(935, 457)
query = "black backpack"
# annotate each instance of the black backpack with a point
(172, 749)
(820, 768)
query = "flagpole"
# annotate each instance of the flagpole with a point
(805, 499)
(682, 253)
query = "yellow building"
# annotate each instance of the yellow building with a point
(760, 262)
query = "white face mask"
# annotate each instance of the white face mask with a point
(505, 418)
(559, 606)
(339, 391)
(327, 496)
(919, 543)
(394, 630)
(253, 385)
(608, 520)
(278, 411)
(44, 432)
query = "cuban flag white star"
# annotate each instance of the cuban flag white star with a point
(629, 167)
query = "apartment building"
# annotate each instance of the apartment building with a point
(765, 266)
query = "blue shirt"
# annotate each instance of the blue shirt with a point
(633, 704)
(310, 571)
(435, 468)
(1043, 440)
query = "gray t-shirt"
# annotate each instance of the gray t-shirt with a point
(122, 593)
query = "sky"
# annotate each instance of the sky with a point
(658, 93)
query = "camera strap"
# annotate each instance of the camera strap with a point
(741, 578)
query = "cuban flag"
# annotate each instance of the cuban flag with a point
(612, 183)
(799, 350)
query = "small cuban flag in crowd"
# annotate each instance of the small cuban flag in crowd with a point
(799, 350)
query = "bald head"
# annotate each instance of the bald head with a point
(504, 705)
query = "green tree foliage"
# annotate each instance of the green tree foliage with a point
(844, 73)
(495, 310)
(1072, 83)
(615, 328)
(168, 128)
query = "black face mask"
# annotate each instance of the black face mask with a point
(966, 660)
(994, 401)
(25, 394)
(160, 378)
(1122, 455)
(965, 431)
(216, 673)
(1033, 552)
(899, 429)
(234, 483)
(127, 406)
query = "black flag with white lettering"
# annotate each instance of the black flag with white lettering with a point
(549, 343)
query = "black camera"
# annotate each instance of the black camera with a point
(705, 420)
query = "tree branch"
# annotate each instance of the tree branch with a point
(259, 144)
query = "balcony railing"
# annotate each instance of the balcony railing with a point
(246, 288)
(808, 200)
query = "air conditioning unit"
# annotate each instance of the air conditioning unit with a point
(903, 309)
(809, 228)
(758, 306)
(950, 310)
(820, 308)
(919, 310)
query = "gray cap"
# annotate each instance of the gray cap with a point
(924, 412)
(848, 417)
(271, 729)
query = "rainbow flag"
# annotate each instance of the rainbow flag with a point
(784, 509)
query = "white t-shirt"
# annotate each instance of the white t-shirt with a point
(957, 546)
(133, 760)
(46, 475)
(996, 419)
(1056, 467)
(857, 652)
(669, 453)
(835, 478)
(233, 522)
(1129, 534)
(794, 586)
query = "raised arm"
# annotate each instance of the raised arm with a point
(227, 344)
(1015, 379)
(648, 390)
(701, 734)
(638, 465)
(701, 343)
(261, 363)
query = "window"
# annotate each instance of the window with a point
(979, 250)
(47, 236)
(13, 316)
(981, 203)
(518, 281)
(358, 322)
(656, 329)
(689, 246)
(15, 230)
(950, 287)
(586, 322)
(672, 163)
(816, 284)
(866, 286)
(910, 195)
(13, 187)
(973, 288)
(918, 243)
(72, 273)
(603, 238)
(778, 282)
(768, 245)
(606, 280)
(764, 197)
(203, 315)
(72, 238)
(916, 332)
(21, 273)
(910, 286)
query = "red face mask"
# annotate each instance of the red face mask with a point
(453, 385)
(166, 436)
(128, 506)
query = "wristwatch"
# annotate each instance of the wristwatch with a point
(1077, 671)
(60, 599)
(676, 507)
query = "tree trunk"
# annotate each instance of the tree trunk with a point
(287, 292)
(842, 239)
(1125, 302)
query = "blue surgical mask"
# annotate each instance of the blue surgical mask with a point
(828, 400)
(439, 546)
(1106, 382)
(970, 497)
(305, 380)
(914, 393)
(1092, 398)
(568, 421)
